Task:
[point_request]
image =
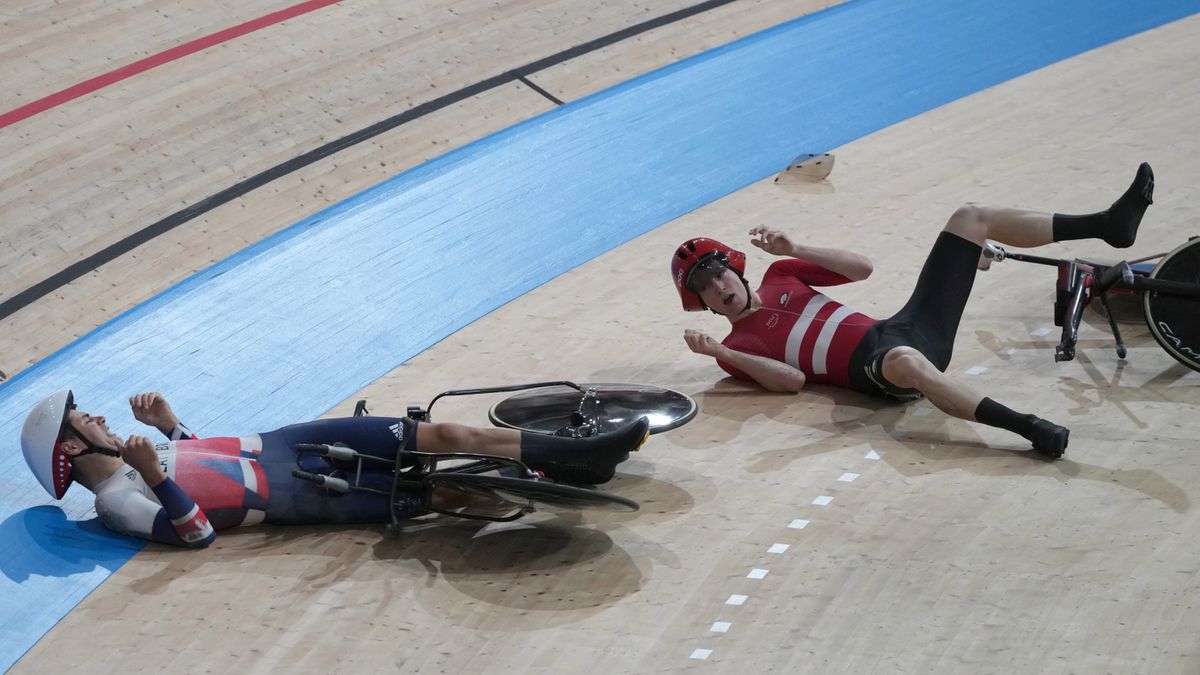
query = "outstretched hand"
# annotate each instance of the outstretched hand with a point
(701, 343)
(152, 408)
(772, 241)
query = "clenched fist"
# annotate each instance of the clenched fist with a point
(701, 343)
(139, 452)
(152, 408)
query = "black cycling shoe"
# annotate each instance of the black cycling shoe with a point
(1049, 439)
(591, 460)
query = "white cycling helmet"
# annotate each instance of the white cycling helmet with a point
(39, 442)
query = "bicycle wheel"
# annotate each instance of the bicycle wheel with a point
(1174, 320)
(550, 410)
(505, 498)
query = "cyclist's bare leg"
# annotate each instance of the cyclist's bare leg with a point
(447, 437)
(1014, 227)
(906, 367)
(581, 460)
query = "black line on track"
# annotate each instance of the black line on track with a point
(529, 83)
(30, 295)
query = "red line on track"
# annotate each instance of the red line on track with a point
(124, 72)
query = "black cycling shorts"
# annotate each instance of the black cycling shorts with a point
(928, 322)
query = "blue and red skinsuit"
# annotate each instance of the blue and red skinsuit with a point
(225, 482)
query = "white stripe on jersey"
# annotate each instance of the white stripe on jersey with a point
(800, 329)
(188, 516)
(249, 478)
(253, 517)
(821, 349)
(251, 444)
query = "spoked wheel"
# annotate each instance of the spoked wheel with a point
(1174, 320)
(600, 408)
(491, 497)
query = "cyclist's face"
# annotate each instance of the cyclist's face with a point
(92, 427)
(724, 293)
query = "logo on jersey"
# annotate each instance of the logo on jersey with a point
(773, 321)
(783, 298)
(398, 430)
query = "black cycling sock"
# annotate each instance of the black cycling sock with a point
(1118, 225)
(996, 415)
(1048, 438)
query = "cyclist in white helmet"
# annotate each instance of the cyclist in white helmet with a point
(182, 491)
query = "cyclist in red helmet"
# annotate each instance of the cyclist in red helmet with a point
(786, 334)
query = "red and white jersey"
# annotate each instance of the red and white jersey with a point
(222, 475)
(799, 326)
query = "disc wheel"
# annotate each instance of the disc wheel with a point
(551, 409)
(1174, 320)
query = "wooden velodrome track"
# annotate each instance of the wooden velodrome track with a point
(950, 553)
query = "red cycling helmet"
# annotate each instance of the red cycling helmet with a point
(697, 253)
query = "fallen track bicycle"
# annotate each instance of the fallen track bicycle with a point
(1167, 283)
(475, 486)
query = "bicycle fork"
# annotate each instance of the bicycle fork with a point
(1077, 285)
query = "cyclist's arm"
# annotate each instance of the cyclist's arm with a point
(772, 375)
(833, 266)
(124, 507)
(179, 521)
(853, 266)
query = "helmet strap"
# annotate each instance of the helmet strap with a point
(90, 448)
(94, 449)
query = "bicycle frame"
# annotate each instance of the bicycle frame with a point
(1080, 281)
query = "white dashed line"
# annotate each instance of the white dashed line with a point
(737, 600)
